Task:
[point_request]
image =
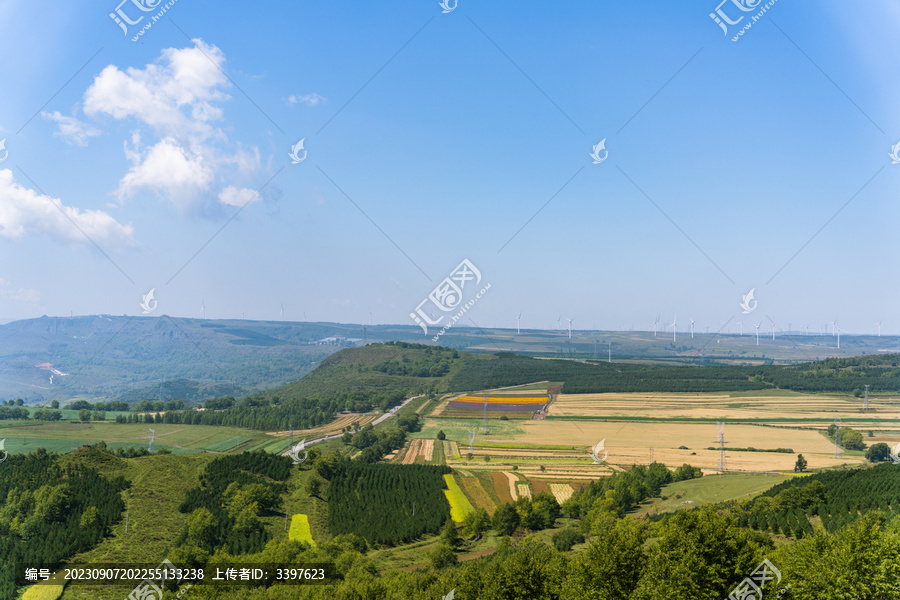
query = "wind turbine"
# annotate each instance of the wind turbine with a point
(692, 328)
(655, 325)
(282, 312)
(570, 327)
(833, 328)
(839, 337)
(879, 328)
(742, 328)
(773, 330)
(757, 333)
(518, 318)
(558, 319)
(203, 310)
(674, 323)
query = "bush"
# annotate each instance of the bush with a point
(441, 436)
(443, 556)
(878, 452)
(564, 539)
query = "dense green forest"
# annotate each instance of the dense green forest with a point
(224, 510)
(50, 512)
(847, 375)
(837, 498)
(701, 554)
(387, 503)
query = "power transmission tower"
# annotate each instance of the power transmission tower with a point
(866, 401)
(484, 425)
(722, 466)
(152, 435)
(471, 440)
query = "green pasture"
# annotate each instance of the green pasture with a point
(62, 436)
(707, 489)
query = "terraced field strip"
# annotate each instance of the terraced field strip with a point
(227, 444)
(335, 426)
(476, 493)
(513, 481)
(459, 503)
(299, 531)
(428, 450)
(562, 491)
(524, 490)
(448, 450)
(412, 452)
(501, 486)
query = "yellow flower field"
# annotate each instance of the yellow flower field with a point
(459, 503)
(300, 531)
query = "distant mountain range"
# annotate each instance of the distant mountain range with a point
(105, 357)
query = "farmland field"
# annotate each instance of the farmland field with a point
(781, 407)
(63, 436)
(671, 428)
(459, 503)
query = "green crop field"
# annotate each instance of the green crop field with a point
(228, 443)
(62, 436)
(457, 429)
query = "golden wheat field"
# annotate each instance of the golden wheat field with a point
(812, 409)
(629, 443)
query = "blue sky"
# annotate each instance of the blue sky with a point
(431, 138)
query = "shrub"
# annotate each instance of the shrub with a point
(564, 539)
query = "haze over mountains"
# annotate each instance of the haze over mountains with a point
(132, 358)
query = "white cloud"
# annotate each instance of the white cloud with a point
(169, 169)
(70, 128)
(311, 99)
(177, 97)
(25, 212)
(233, 196)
